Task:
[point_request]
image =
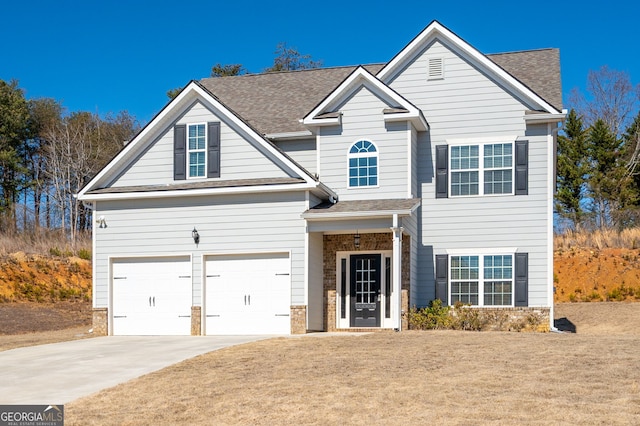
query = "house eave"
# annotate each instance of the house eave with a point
(543, 117)
(113, 196)
(288, 135)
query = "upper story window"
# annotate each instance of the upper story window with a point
(491, 167)
(197, 150)
(363, 164)
(482, 169)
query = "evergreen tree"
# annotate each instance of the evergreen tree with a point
(571, 170)
(611, 188)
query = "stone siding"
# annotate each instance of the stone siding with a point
(100, 321)
(298, 319)
(196, 320)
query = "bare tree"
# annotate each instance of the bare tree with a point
(611, 98)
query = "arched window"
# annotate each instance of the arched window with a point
(363, 164)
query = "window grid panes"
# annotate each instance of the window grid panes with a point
(196, 143)
(489, 285)
(465, 162)
(481, 169)
(465, 273)
(498, 280)
(498, 164)
(363, 164)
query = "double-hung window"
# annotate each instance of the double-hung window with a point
(481, 169)
(197, 150)
(482, 280)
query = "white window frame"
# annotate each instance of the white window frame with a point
(481, 143)
(363, 155)
(481, 254)
(189, 151)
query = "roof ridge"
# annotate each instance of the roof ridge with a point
(522, 51)
(247, 75)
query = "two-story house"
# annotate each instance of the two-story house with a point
(334, 198)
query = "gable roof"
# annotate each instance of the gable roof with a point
(274, 103)
(98, 187)
(436, 31)
(398, 108)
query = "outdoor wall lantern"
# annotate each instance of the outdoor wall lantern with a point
(356, 240)
(195, 235)
(102, 222)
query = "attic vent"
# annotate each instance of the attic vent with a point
(436, 68)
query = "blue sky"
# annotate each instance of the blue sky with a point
(108, 56)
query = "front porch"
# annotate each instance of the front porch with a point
(339, 298)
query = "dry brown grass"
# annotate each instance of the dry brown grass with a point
(599, 239)
(439, 377)
(43, 242)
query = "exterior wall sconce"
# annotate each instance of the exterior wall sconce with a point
(102, 222)
(356, 240)
(195, 235)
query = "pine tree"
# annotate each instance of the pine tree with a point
(571, 171)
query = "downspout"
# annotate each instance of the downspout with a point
(397, 268)
(553, 132)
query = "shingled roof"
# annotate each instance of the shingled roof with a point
(274, 102)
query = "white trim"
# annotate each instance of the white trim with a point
(361, 77)
(289, 135)
(435, 30)
(410, 164)
(94, 252)
(552, 131)
(359, 214)
(345, 323)
(481, 251)
(545, 118)
(199, 192)
(482, 140)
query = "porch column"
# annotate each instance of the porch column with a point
(396, 269)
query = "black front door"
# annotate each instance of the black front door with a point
(365, 290)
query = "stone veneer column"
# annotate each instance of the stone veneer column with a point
(196, 320)
(298, 319)
(100, 321)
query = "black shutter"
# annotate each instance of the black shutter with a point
(522, 279)
(522, 168)
(213, 148)
(442, 277)
(442, 171)
(180, 152)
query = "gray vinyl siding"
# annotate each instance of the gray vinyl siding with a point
(362, 118)
(467, 104)
(231, 224)
(239, 158)
(316, 282)
(410, 225)
(302, 151)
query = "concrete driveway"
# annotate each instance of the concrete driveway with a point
(61, 372)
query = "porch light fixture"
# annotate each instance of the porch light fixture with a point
(102, 222)
(356, 240)
(195, 235)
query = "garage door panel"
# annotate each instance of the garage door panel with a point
(248, 294)
(152, 296)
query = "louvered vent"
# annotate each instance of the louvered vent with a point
(436, 68)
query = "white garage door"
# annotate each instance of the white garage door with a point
(248, 294)
(152, 296)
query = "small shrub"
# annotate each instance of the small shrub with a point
(84, 254)
(55, 251)
(433, 317)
